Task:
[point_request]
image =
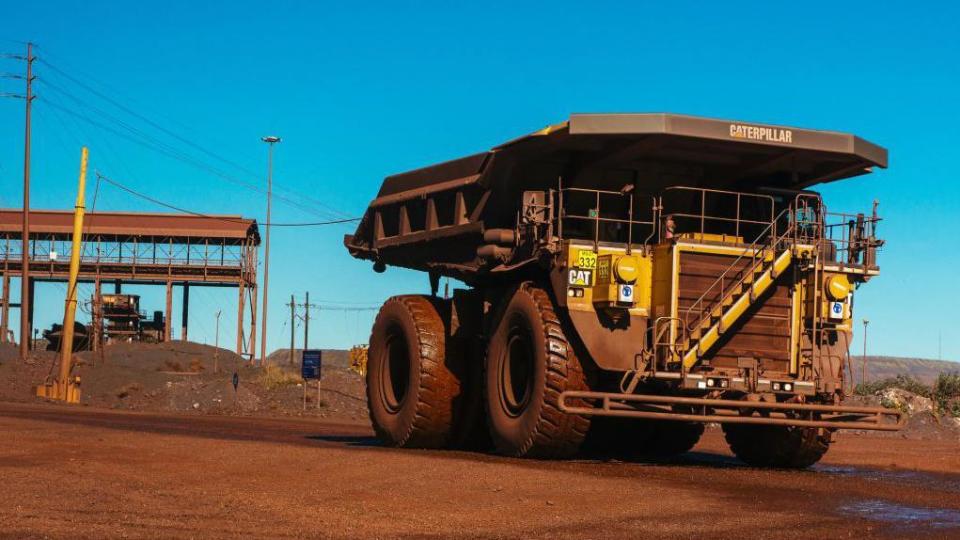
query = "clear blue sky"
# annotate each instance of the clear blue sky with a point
(360, 91)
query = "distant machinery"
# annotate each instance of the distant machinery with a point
(120, 319)
(116, 319)
(81, 337)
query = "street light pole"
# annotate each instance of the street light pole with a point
(270, 140)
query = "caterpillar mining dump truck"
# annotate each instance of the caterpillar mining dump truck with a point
(631, 278)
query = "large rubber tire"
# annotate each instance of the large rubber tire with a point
(529, 363)
(410, 389)
(777, 446)
(669, 439)
(625, 438)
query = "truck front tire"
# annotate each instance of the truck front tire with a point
(529, 363)
(786, 447)
(410, 388)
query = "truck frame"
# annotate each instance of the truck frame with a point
(630, 278)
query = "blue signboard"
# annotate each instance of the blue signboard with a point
(310, 363)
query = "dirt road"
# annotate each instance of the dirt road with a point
(80, 472)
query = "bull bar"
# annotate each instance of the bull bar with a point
(729, 411)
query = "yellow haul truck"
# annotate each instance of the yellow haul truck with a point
(631, 278)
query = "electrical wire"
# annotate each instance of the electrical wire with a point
(162, 148)
(192, 144)
(208, 216)
(345, 308)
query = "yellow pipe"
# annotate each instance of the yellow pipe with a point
(67, 389)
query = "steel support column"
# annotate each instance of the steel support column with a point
(168, 313)
(97, 309)
(5, 310)
(31, 292)
(240, 301)
(185, 312)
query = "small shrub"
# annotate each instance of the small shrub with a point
(946, 393)
(274, 376)
(903, 382)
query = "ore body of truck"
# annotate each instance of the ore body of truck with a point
(631, 278)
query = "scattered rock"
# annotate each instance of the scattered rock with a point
(905, 401)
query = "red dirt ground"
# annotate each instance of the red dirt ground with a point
(88, 473)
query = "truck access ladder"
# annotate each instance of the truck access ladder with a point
(766, 263)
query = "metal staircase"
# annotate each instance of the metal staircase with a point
(735, 291)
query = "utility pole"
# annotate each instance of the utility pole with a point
(25, 242)
(25, 238)
(306, 320)
(293, 326)
(270, 140)
(216, 345)
(863, 372)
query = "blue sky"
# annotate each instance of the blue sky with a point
(359, 91)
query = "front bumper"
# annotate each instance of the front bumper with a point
(728, 411)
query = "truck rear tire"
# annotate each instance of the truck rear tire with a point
(667, 439)
(777, 446)
(625, 438)
(410, 388)
(529, 363)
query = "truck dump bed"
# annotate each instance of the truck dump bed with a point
(434, 219)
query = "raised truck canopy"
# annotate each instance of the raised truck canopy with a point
(431, 218)
(695, 150)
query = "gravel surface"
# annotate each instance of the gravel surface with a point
(88, 473)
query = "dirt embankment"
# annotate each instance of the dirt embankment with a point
(192, 378)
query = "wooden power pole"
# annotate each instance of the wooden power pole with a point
(293, 325)
(307, 306)
(25, 289)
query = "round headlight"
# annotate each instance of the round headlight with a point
(838, 287)
(627, 269)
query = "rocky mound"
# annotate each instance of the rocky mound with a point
(194, 378)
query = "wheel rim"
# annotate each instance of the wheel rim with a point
(516, 372)
(395, 372)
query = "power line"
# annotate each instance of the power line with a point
(169, 151)
(221, 218)
(184, 140)
(150, 143)
(345, 308)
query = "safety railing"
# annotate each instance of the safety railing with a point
(585, 214)
(162, 254)
(666, 333)
(848, 239)
(754, 255)
(851, 239)
(697, 210)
